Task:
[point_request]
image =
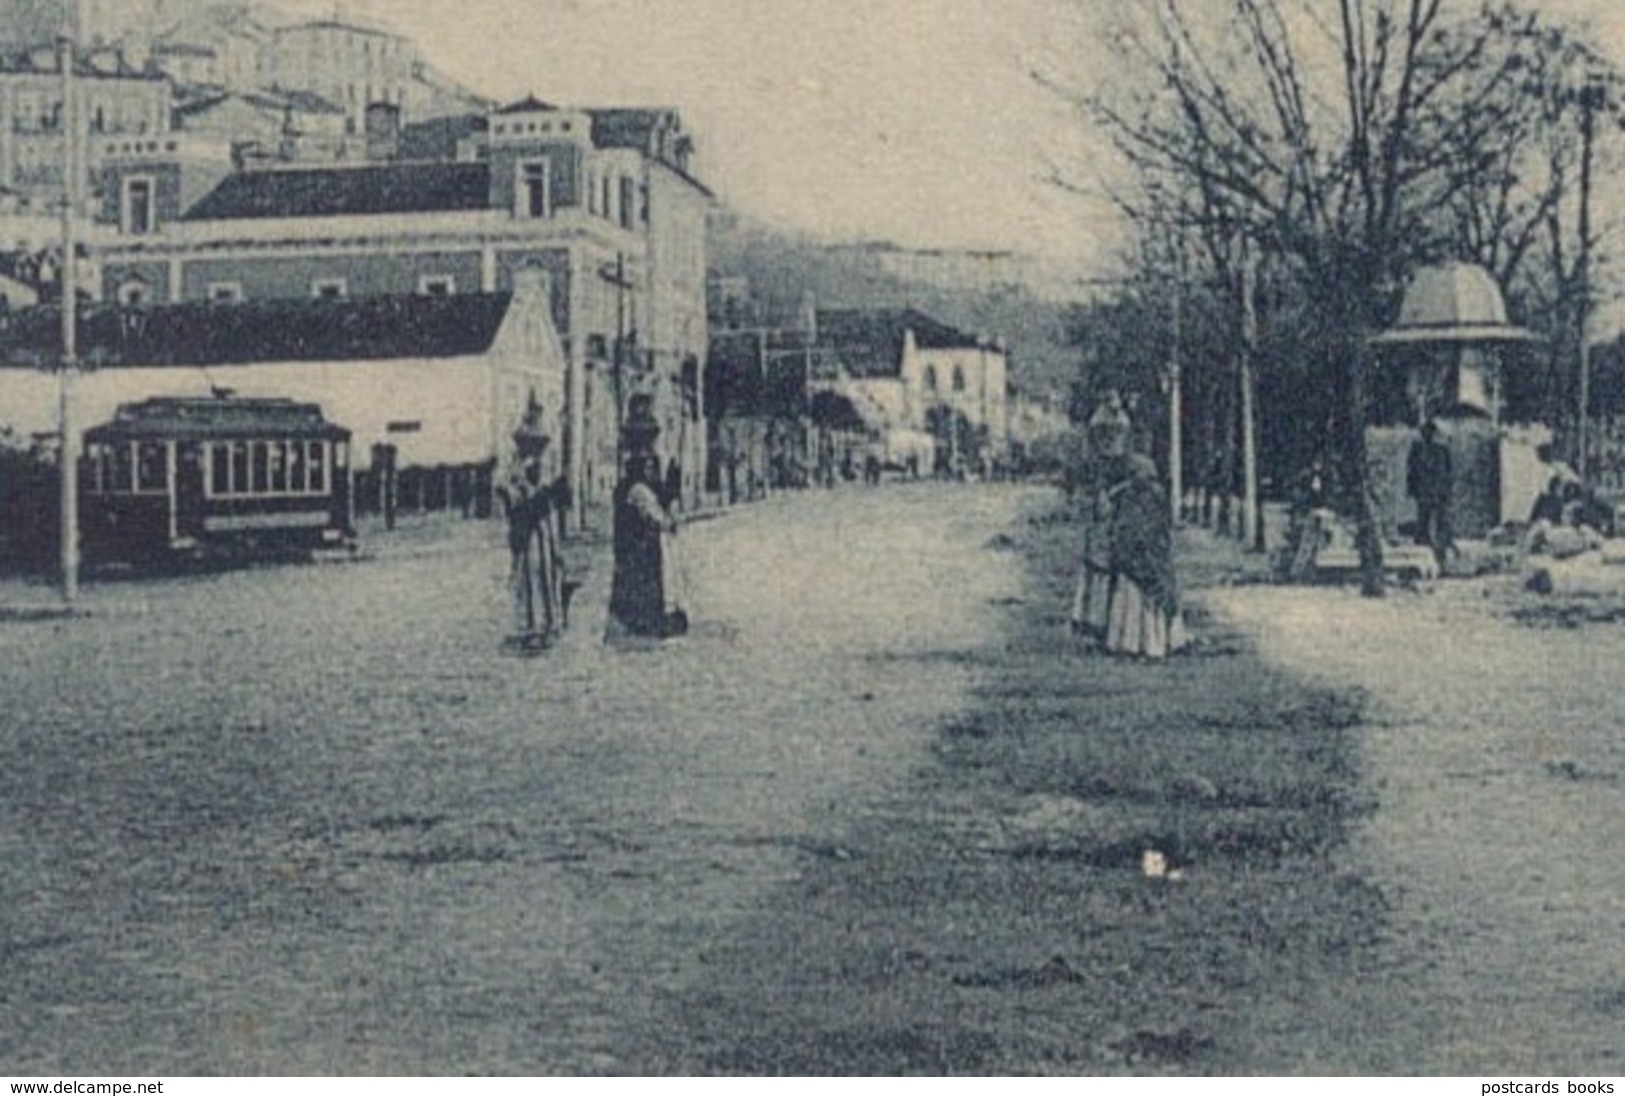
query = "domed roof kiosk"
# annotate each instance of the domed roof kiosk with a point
(1446, 359)
(1449, 342)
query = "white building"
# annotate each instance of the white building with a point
(923, 375)
(442, 379)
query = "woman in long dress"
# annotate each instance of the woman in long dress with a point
(1131, 607)
(648, 596)
(536, 576)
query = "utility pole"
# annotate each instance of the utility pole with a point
(616, 276)
(1591, 99)
(1176, 401)
(68, 367)
(1251, 530)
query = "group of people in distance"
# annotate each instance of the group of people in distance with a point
(647, 595)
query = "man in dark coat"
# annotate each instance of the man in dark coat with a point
(1428, 481)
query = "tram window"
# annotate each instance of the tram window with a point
(318, 468)
(262, 469)
(220, 469)
(151, 467)
(121, 469)
(296, 467)
(279, 466)
(239, 467)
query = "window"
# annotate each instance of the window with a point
(151, 467)
(532, 195)
(604, 199)
(959, 379)
(219, 469)
(120, 473)
(437, 285)
(628, 199)
(317, 482)
(930, 378)
(139, 215)
(267, 468)
(329, 289)
(224, 292)
(261, 484)
(134, 293)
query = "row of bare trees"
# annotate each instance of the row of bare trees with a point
(1290, 163)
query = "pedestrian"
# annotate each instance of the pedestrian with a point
(647, 594)
(536, 572)
(1129, 604)
(1428, 481)
(671, 493)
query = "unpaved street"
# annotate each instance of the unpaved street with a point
(1496, 762)
(312, 820)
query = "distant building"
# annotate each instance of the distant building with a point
(116, 100)
(297, 126)
(924, 376)
(218, 47)
(348, 64)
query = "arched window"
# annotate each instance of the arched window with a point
(959, 378)
(930, 378)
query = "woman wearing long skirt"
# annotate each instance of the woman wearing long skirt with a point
(647, 597)
(1132, 606)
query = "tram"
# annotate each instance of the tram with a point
(175, 478)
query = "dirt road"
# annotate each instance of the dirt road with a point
(1497, 765)
(311, 820)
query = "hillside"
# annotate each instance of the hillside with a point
(784, 269)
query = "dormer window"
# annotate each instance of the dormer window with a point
(533, 194)
(138, 215)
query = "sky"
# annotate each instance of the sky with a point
(917, 121)
(910, 120)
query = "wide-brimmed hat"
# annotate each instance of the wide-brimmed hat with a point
(529, 439)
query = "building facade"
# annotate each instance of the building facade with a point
(600, 207)
(348, 64)
(442, 382)
(925, 376)
(116, 100)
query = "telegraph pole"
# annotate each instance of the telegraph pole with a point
(1591, 98)
(1252, 532)
(68, 367)
(1176, 400)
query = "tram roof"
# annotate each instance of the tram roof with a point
(187, 418)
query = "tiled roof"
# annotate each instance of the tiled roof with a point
(869, 342)
(359, 329)
(347, 191)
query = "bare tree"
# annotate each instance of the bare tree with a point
(1347, 141)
